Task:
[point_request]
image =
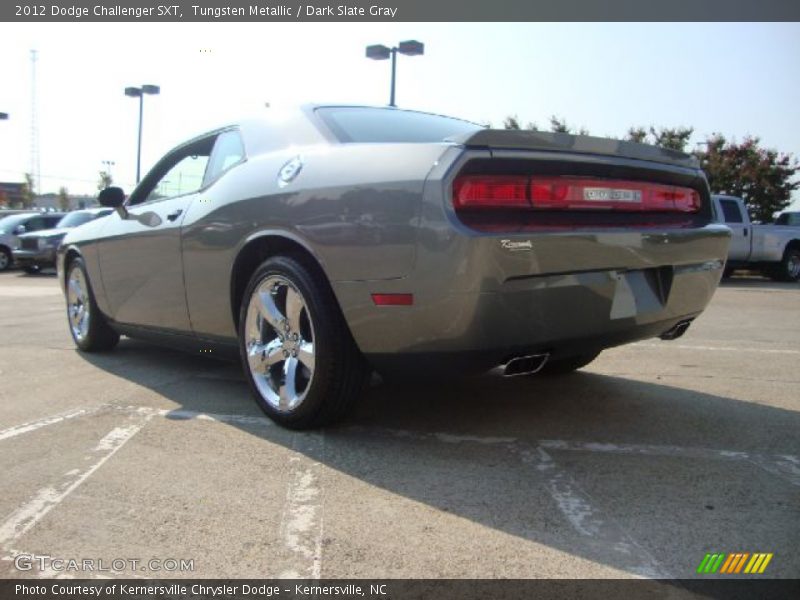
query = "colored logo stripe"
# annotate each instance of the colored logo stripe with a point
(734, 563)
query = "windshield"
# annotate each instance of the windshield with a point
(76, 218)
(8, 223)
(355, 124)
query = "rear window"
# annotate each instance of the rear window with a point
(788, 219)
(361, 125)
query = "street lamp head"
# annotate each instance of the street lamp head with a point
(133, 92)
(378, 52)
(151, 89)
(411, 48)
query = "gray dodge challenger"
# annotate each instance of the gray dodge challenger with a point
(322, 243)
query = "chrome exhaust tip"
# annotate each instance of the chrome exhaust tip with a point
(525, 365)
(676, 330)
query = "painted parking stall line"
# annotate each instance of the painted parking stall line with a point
(301, 526)
(46, 421)
(46, 499)
(598, 530)
(785, 466)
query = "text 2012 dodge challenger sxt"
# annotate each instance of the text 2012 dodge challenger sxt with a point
(328, 241)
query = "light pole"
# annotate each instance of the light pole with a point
(381, 52)
(139, 92)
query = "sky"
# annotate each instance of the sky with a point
(737, 79)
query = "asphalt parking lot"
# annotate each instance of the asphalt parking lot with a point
(656, 454)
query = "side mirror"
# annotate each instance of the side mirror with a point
(113, 197)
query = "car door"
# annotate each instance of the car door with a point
(740, 240)
(140, 252)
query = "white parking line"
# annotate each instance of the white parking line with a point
(784, 466)
(46, 499)
(28, 291)
(599, 531)
(44, 422)
(181, 414)
(302, 519)
(665, 345)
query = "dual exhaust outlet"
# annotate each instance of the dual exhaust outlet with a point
(533, 363)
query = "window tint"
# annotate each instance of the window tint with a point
(387, 125)
(7, 224)
(788, 219)
(52, 221)
(35, 224)
(76, 218)
(731, 212)
(183, 178)
(228, 151)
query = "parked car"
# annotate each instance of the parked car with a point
(772, 249)
(37, 250)
(528, 250)
(12, 226)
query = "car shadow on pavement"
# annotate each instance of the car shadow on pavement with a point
(638, 476)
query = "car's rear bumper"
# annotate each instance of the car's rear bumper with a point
(492, 305)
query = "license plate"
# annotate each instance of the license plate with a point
(611, 195)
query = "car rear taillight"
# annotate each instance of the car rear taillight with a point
(571, 193)
(490, 192)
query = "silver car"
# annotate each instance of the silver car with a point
(322, 243)
(13, 226)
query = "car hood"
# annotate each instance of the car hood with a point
(47, 232)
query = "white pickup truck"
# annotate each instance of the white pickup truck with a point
(772, 249)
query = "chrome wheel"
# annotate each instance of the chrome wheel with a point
(78, 304)
(793, 266)
(279, 343)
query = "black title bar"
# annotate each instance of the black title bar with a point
(402, 10)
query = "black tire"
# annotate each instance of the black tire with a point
(318, 395)
(789, 268)
(97, 335)
(567, 365)
(6, 259)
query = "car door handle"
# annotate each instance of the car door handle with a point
(174, 215)
(745, 233)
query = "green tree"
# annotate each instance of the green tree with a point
(104, 181)
(63, 198)
(28, 192)
(674, 138)
(511, 122)
(762, 177)
(559, 125)
(637, 134)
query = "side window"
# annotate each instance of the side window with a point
(228, 151)
(731, 212)
(53, 221)
(184, 177)
(35, 224)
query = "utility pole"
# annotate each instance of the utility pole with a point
(35, 170)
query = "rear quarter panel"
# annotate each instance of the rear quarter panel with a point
(355, 207)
